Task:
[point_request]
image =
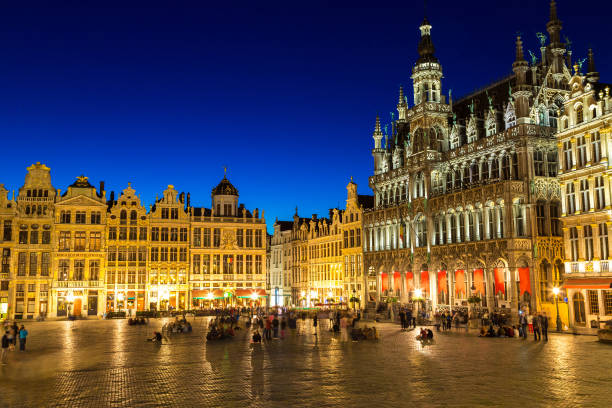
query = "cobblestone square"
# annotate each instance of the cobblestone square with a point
(109, 364)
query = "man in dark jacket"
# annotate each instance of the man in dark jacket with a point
(536, 327)
(5, 347)
(544, 325)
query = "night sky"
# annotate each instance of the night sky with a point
(284, 94)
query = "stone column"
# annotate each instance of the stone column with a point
(581, 245)
(562, 186)
(448, 228)
(488, 273)
(578, 197)
(606, 180)
(574, 152)
(477, 219)
(587, 139)
(561, 157)
(591, 180)
(596, 245)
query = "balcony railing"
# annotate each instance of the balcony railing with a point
(77, 284)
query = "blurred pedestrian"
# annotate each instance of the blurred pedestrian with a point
(544, 325)
(535, 322)
(5, 348)
(23, 334)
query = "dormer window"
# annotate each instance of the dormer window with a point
(579, 115)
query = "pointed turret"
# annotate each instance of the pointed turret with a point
(426, 48)
(557, 48)
(402, 106)
(427, 72)
(592, 74)
(378, 151)
(522, 92)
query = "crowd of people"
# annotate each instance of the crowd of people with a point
(137, 321)
(11, 334)
(222, 327)
(177, 326)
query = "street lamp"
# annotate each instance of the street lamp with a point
(556, 292)
(417, 296)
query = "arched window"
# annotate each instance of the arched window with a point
(123, 217)
(133, 217)
(421, 231)
(494, 168)
(538, 162)
(449, 181)
(475, 172)
(466, 175)
(458, 178)
(515, 166)
(579, 114)
(553, 165)
(506, 167)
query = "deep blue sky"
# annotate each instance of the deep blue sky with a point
(283, 93)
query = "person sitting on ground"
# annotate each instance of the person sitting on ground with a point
(157, 336)
(491, 331)
(429, 334)
(483, 332)
(256, 337)
(501, 332)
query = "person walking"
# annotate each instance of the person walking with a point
(523, 325)
(536, 328)
(343, 330)
(315, 323)
(402, 316)
(268, 330)
(544, 325)
(283, 326)
(23, 334)
(5, 348)
(275, 324)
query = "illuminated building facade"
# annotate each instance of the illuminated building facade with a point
(169, 252)
(324, 256)
(357, 284)
(126, 249)
(8, 213)
(79, 251)
(228, 252)
(584, 146)
(280, 264)
(33, 248)
(467, 203)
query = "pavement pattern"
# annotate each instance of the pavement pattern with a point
(110, 364)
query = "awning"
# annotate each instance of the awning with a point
(248, 293)
(199, 294)
(592, 283)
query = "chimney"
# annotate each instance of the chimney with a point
(182, 198)
(314, 216)
(101, 187)
(188, 199)
(112, 196)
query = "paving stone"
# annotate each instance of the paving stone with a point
(109, 364)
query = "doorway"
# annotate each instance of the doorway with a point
(579, 313)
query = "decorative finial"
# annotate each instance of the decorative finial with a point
(401, 95)
(351, 179)
(553, 11)
(377, 125)
(224, 171)
(519, 48)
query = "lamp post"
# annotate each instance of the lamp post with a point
(559, 324)
(354, 299)
(417, 296)
(70, 300)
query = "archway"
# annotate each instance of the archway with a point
(579, 312)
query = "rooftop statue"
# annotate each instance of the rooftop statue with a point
(534, 59)
(542, 38)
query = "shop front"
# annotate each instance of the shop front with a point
(219, 298)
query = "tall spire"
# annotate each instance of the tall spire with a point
(377, 135)
(553, 11)
(401, 100)
(520, 56)
(377, 126)
(592, 74)
(426, 48)
(554, 26)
